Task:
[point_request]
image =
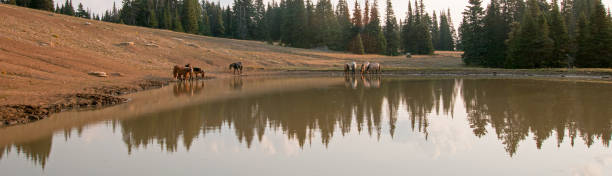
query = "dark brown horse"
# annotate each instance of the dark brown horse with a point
(199, 71)
(236, 67)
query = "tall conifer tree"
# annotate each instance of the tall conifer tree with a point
(529, 44)
(391, 31)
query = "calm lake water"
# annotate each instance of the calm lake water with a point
(329, 126)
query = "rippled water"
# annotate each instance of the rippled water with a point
(329, 126)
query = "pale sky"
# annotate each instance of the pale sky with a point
(400, 6)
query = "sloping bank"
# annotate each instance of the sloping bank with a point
(15, 114)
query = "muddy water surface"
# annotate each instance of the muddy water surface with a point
(328, 126)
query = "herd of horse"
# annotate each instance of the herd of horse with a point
(366, 68)
(188, 72)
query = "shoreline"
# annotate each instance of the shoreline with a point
(106, 96)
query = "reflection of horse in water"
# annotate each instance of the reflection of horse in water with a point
(236, 83)
(188, 88)
(370, 81)
(350, 81)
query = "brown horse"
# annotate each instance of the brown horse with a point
(364, 66)
(182, 73)
(347, 68)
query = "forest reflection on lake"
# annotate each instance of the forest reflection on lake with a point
(459, 124)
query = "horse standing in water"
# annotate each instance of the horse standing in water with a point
(236, 67)
(374, 68)
(363, 67)
(182, 73)
(350, 67)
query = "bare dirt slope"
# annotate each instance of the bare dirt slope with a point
(45, 56)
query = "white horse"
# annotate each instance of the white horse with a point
(352, 67)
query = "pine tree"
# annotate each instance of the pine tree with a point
(145, 13)
(190, 16)
(422, 38)
(68, 8)
(407, 31)
(344, 24)
(243, 13)
(356, 43)
(471, 34)
(260, 23)
(127, 13)
(81, 12)
(453, 34)
(357, 20)
(269, 23)
(435, 32)
(217, 23)
(42, 5)
(177, 25)
(314, 25)
(294, 24)
(277, 20)
(114, 14)
(391, 31)
(495, 36)
(529, 44)
(228, 20)
(373, 38)
(559, 35)
(153, 19)
(366, 14)
(446, 41)
(567, 12)
(166, 19)
(204, 24)
(595, 39)
(326, 25)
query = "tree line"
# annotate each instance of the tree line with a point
(537, 34)
(292, 23)
(67, 8)
(297, 23)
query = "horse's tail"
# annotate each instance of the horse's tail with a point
(175, 72)
(346, 68)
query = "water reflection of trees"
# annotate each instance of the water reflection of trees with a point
(300, 114)
(513, 109)
(516, 108)
(37, 150)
